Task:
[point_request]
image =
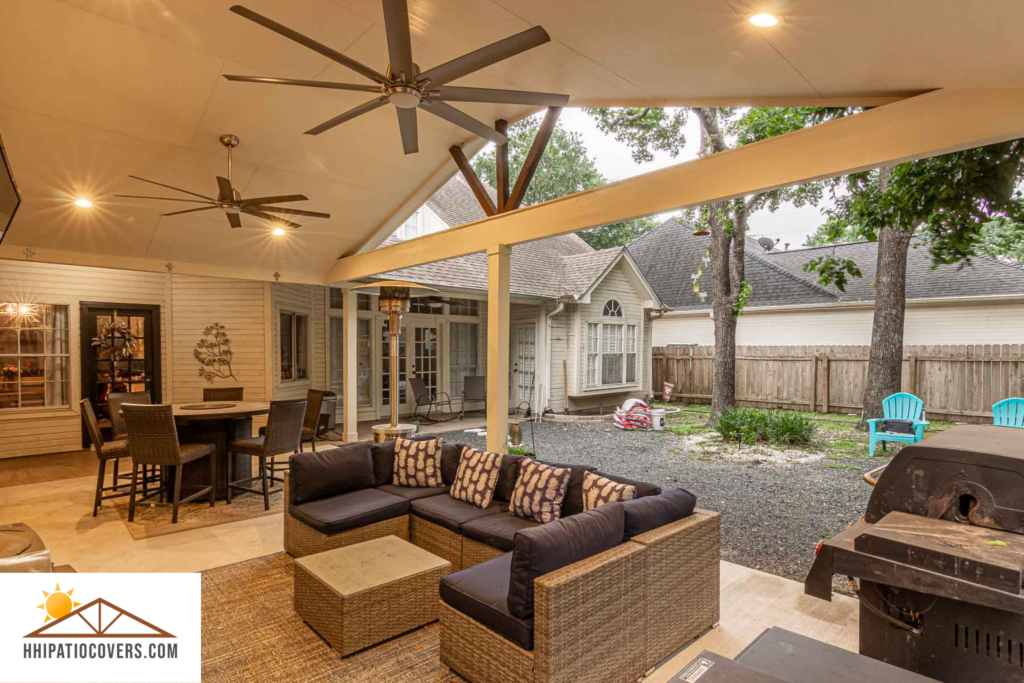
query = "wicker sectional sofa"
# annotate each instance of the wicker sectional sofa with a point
(601, 595)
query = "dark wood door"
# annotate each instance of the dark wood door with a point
(120, 352)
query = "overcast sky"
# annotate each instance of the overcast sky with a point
(614, 161)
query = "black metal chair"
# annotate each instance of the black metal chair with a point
(432, 402)
(474, 388)
(282, 435)
(150, 473)
(223, 393)
(105, 451)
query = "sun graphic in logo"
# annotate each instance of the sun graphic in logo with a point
(58, 603)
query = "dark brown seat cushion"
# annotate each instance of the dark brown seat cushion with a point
(573, 502)
(414, 492)
(329, 472)
(497, 531)
(508, 477)
(384, 460)
(547, 547)
(350, 510)
(642, 487)
(481, 593)
(451, 514)
(645, 514)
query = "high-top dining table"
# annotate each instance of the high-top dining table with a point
(219, 423)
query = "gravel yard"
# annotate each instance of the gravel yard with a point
(776, 504)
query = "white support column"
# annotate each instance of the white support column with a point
(349, 397)
(498, 307)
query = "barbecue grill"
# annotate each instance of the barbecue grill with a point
(939, 555)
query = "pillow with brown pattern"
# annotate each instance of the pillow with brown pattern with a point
(539, 491)
(597, 491)
(418, 463)
(477, 477)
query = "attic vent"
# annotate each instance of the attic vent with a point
(612, 309)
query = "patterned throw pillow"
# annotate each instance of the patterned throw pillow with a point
(418, 463)
(539, 491)
(597, 491)
(477, 477)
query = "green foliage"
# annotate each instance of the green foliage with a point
(617, 234)
(742, 297)
(834, 230)
(1002, 239)
(517, 450)
(778, 427)
(644, 130)
(832, 270)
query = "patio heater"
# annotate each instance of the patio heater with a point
(393, 299)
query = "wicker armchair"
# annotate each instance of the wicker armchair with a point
(153, 440)
(282, 435)
(150, 473)
(105, 451)
(223, 393)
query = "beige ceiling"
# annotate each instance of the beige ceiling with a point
(94, 90)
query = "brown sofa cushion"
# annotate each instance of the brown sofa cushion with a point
(413, 492)
(329, 472)
(418, 463)
(598, 491)
(547, 547)
(509, 476)
(350, 510)
(481, 593)
(451, 514)
(497, 531)
(451, 455)
(573, 502)
(384, 459)
(477, 477)
(642, 487)
(540, 491)
(651, 512)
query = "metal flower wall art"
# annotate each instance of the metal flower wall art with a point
(213, 351)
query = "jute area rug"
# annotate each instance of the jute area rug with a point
(153, 521)
(251, 633)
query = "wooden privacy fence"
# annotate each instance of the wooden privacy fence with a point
(958, 383)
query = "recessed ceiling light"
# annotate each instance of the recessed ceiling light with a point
(764, 20)
(278, 231)
(83, 203)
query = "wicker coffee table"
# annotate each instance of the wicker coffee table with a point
(365, 593)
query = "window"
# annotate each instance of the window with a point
(464, 356)
(337, 298)
(612, 309)
(611, 354)
(294, 334)
(411, 227)
(424, 304)
(593, 344)
(34, 356)
(630, 353)
(364, 362)
(469, 307)
(363, 302)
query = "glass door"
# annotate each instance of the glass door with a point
(424, 357)
(524, 363)
(385, 370)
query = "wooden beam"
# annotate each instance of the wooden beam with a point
(349, 367)
(473, 180)
(501, 166)
(498, 309)
(533, 157)
(932, 124)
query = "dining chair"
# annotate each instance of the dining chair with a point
(223, 393)
(282, 435)
(105, 451)
(153, 440)
(115, 400)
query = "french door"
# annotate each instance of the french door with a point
(385, 370)
(524, 363)
(424, 357)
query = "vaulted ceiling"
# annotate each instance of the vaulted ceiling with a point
(94, 90)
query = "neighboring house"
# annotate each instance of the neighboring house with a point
(978, 304)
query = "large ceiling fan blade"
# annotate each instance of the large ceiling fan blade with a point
(410, 130)
(166, 199)
(296, 212)
(348, 116)
(201, 208)
(234, 219)
(396, 24)
(256, 201)
(485, 56)
(329, 85)
(267, 217)
(310, 43)
(453, 115)
(454, 93)
(227, 194)
(176, 189)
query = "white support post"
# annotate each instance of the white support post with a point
(349, 398)
(498, 307)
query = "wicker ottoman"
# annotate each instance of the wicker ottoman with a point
(365, 593)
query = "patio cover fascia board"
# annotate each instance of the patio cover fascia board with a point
(935, 123)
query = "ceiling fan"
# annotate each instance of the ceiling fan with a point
(406, 87)
(229, 200)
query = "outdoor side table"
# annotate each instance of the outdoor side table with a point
(365, 593)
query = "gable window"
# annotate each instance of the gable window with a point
(294, 346)
(611, 354)
(35, 359)
(612, 309)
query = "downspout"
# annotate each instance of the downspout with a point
(547, 350)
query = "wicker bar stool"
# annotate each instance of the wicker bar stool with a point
(283, 434)
(223, 393)
(153, 440)
(312, 425)
(113, 450)
(150, 473)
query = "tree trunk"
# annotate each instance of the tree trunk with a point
(723, 393)
(885, 365)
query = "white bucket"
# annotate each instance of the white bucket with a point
(658, 419)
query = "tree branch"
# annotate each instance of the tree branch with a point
(628, 118)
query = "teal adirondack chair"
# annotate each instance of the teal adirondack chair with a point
(1009, 413)
(898, 407)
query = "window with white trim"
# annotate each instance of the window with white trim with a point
(464, 355)
(593, 344)
(630, 353)
(611, 354)
(612, 309)
(35, 358)
(294, 346)
(469, 307)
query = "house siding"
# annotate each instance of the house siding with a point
(306, 300)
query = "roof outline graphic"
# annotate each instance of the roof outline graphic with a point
(99, 631)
